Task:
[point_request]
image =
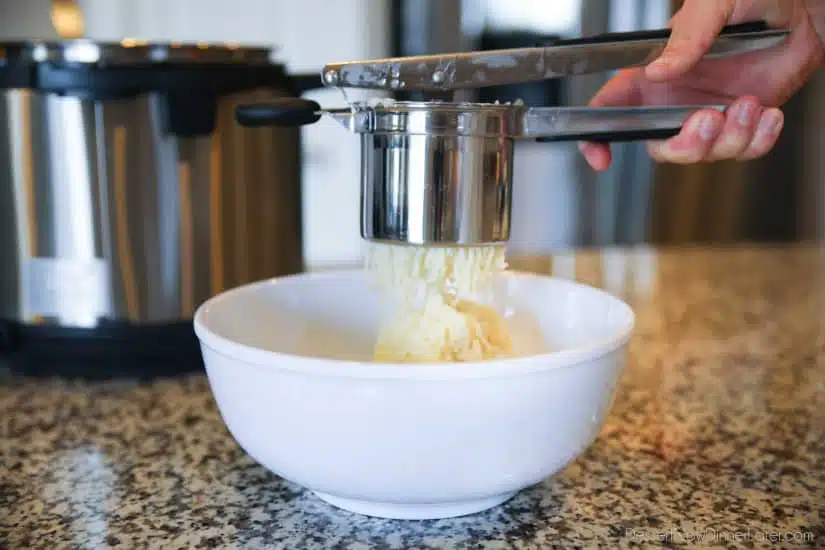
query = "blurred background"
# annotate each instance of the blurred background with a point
(129, 195)
(558, 202)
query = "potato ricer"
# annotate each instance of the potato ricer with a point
(440, 172)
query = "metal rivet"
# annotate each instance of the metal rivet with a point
(331, 76)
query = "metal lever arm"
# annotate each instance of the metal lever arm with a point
(606, 123)
(481, 69)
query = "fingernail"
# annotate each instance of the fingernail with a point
(771, 123)
(706, 127)
(745, 113)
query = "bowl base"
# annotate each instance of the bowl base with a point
(394, 510)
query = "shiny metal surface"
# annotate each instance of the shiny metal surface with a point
(130, 51)
(467, 70)
(441, 173)
(103, 216)
(436, 189)
(430, 117)
(556, 122)
(508, 120)
(436, 173)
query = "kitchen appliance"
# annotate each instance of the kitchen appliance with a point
(129, 196)
(440, 172)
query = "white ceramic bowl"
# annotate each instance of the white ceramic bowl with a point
(288, 361)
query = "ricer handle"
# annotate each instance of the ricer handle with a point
(281, 112)
(655, 34)
(607, 124)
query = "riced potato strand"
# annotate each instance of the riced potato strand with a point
(439, 317)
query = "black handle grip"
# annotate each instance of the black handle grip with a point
(282, 112)
(657, 34)
(305, 82)
(615, 136)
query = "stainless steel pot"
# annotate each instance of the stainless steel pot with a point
(129, 195)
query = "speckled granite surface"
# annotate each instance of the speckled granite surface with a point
(716, 439)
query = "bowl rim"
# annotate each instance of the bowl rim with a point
(349, 368)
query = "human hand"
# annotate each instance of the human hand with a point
(753, 85)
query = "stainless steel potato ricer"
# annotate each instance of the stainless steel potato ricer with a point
(438, 172)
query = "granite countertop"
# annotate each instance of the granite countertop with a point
(716, 438)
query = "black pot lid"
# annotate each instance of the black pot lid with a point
(132, 52)
(110, 70)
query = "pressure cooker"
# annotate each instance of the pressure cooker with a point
(129, 195)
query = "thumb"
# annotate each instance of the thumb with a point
(694, 28)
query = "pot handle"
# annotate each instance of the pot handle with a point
(281, 112)
(291, 111)
(305, 82)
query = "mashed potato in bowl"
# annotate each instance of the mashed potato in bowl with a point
(440, 331)
(441, 314)
(400, 440)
